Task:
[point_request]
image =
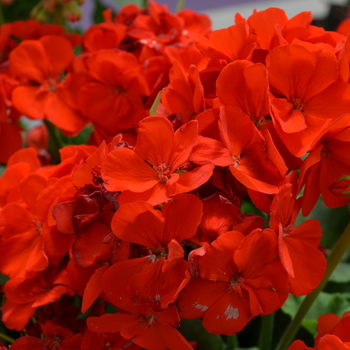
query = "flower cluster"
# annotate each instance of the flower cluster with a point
(113, 82)
(145, 226)
(333, 333)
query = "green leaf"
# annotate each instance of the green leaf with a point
(139, 3)
(81, 139)
(2, 168)
(193, 330)
(18, 10)
(58, 140)
(341, 274)
(3, 279)
(310, 325)
(336, 303)
(333, 222)
(99, 8)
(180, 5)
(155, 104)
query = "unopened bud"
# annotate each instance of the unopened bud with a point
(341, 187)
(39, 13)
(49, 5)
(72, 11)
(6, 2)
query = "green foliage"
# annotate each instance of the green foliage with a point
(58, 140)
(3, 279)
(341, 274)
(140, 3)
(336, 303)
(333, 222)
(249, 207)
(19, 10)
(99, 8)
(155, 104)
(193, 330)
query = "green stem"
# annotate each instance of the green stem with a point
(232, 342)
(6, 338)
(145, 4)
(58, 15)
(55, 143)
(266, 332)
(333, 260)
(180, 5)
(2, 18)
(155, 104)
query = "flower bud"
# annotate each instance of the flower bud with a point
(72, 11)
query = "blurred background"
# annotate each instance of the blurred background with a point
(325, 12)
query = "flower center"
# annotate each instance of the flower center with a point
(235, 284)
(164, 173)
(288, 230)
(298, 104)
(236, 158)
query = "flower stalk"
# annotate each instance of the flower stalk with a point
(266, 332)
(332, 262)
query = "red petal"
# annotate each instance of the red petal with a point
(260, 244)
(59, 52)
(182, 217)
(30, 101)
(139, 223)
(184, 138)
(93, 288)
(198, 296)
(228, 315)
(29, 60)
(124, 169)
(155, 140)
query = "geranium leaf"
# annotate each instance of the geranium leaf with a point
(193, 330)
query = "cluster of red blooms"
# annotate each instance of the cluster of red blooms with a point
(45, 8)
(149, 222)
(333, 334)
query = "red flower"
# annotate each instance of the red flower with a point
(252, 161)
(41, 64)
(326, 164)
(153, 171)
(115, 91)
(152, 331)
(57, 337)
(154, 281)
(298, 246)
(234, 279)
(306, 98)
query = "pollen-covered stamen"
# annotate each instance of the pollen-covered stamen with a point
(38, 226)
(50, 84)
(297, 104)
(325, 152)
(288, 230)
(236, 158)
(164, 173)
(235, 283)
(117, 90)
(56, 342)
(147, 321)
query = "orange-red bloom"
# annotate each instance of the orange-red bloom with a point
(156, 170)
(152, 331)
(305, 99)
(42, 66)
(234, 279)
